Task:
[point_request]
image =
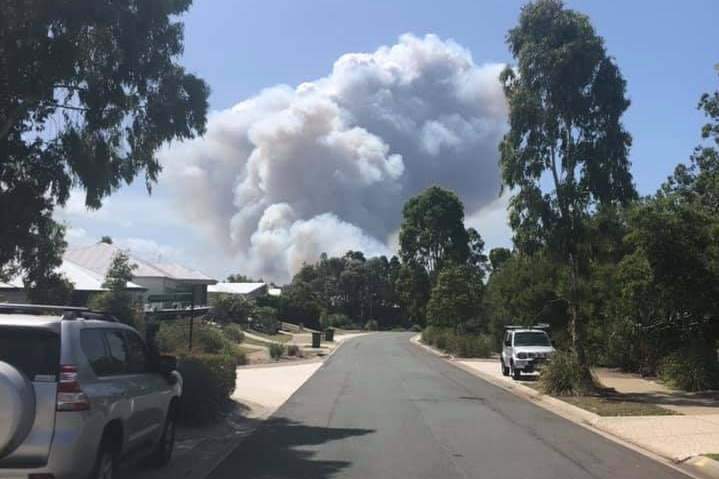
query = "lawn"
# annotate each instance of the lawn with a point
(713, 456)
(609, 403)
(277, 338)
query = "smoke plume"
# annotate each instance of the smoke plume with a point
(326, 167)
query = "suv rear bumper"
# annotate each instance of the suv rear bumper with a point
(73, 450)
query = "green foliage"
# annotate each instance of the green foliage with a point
(208, 383)
(499, 256)
(455, 299)
(566, 98)
(87, 98)
(371, 325)
(174, 336)
(276, 350)
(564, 376)
(241, 278)
(432, 232)
(42, 282)
(416, 328)
(691, 369)
(526, 290)
(463, 345)
(233, 333)
(116, 303)
(106, 239)
(231, 308)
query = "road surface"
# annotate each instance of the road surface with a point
(382, 408)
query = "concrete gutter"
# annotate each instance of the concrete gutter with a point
(699, 467)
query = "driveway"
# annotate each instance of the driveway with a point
(381, 407)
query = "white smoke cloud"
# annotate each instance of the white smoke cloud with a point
(326, 167)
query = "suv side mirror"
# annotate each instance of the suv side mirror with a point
(168, 363)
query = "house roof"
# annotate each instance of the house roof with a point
(274, 291)
(98, 258)
(235, 288)
(82, 279)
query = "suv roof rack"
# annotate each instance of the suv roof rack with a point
(534, 326)
(68, 312)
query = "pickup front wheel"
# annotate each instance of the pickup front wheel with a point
(516, 373)
(505, 369)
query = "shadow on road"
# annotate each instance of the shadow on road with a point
(278, 450)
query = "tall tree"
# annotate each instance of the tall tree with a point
(432, 232)
(455, 298)
(88, 92)
(566, 98)
(116, 300)
(44, 284)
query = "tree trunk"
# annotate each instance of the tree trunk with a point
(576, 325)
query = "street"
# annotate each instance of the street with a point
(383, 408)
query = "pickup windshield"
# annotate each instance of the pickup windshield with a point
(531, 338)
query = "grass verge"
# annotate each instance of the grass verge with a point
(608, 403)
(713, 456)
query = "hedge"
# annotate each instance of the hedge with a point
(208, 383)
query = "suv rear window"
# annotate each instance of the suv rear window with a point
(34, 352)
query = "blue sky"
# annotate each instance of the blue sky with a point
(665, 49)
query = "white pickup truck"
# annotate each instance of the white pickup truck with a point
(524, 349)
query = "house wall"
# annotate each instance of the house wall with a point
(13, 296)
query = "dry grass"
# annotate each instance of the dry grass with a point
(608, 402)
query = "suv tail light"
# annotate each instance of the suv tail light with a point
(69, 395)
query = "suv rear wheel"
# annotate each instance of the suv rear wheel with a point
(163, 450)
(106, 462)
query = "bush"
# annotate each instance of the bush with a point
(208, 383)
(294, 350)
(234, 333)
(173, 337)
(416, 328)
(371, 325)
(276, 350)
(563, 376)
(690, 370)
(479, 346)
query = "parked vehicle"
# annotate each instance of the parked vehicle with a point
(524, 349)
(80, 392)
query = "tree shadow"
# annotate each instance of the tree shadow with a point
(273, 451)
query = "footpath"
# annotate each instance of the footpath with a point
(682, 437)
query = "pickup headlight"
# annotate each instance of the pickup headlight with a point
(522, 355)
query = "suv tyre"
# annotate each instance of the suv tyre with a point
(107, 461)
(505, 369)
(163, 450)
(17, 405)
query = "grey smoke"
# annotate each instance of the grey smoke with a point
(326, 167)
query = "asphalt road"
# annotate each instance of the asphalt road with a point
(382, 408)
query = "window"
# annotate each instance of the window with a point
(34, 352)
(118, 351)
(93, 345)
(531, 338)
(508, 339)
(137, 354)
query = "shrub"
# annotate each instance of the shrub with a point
(690, 370)
(477, 346)
(294, 350)
(208, 383)
(371, 325)
(416, 328)
(174, 336)
(234, 333)
(563, 376)
(276, 350)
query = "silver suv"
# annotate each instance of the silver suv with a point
(524, 349)
(78, 392)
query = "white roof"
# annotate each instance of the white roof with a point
(235, 288)
(85, 280)
(274, 291)
(82, 279)
(98, 257)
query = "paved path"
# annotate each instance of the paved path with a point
(383, 408)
